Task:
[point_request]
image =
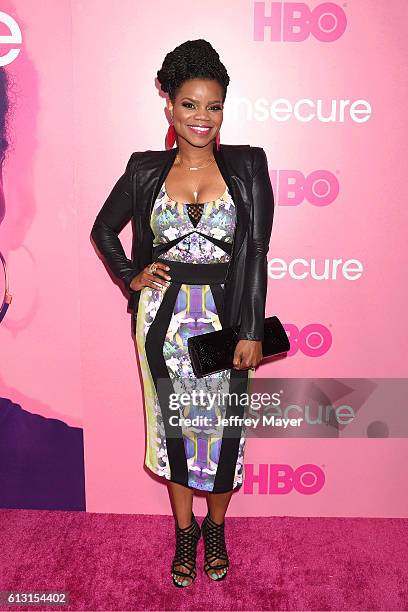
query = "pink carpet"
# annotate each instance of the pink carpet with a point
(121, 562)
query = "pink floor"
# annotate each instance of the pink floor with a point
(121, 562)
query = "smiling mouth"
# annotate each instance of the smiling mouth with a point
(202, 131)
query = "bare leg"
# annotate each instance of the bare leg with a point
(182, 501)
(217, 506)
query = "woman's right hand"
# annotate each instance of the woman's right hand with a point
(158, 280)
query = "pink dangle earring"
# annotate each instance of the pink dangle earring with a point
(170, 136)
(217, 141)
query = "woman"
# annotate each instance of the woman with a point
(202, 215)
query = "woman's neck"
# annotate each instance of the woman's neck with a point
(195, 156)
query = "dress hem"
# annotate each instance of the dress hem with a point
(238, 486)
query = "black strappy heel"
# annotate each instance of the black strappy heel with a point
(215, 549)
(186, 551)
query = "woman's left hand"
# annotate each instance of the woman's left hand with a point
(248, 354)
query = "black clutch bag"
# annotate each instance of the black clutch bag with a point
(214, 352)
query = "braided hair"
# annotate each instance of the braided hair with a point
(193, 59)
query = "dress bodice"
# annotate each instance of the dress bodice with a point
(183, 239)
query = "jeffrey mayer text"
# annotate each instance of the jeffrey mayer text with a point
(234, 421)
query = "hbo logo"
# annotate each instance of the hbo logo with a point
(295, 21)
(313, 340)
(281, 478)
(320, 187)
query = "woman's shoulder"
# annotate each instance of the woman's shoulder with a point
(139, 159)
(246, 159)
(254, 155)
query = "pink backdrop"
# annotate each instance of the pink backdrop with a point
(85, 97)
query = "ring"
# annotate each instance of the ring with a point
(152, 268)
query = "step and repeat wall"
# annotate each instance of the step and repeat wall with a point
(321, 87)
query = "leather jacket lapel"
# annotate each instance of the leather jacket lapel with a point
(238, 190)
(159, 174)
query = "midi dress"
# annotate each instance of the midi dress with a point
(189, 442)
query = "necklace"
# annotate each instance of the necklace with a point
(180, 162)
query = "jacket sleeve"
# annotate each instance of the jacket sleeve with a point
(256, 271)
(115, 213)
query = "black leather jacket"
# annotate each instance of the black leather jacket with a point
(245, 171)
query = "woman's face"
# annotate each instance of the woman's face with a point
(198, 103)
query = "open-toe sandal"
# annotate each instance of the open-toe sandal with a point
(216, 561)
(183, 568)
